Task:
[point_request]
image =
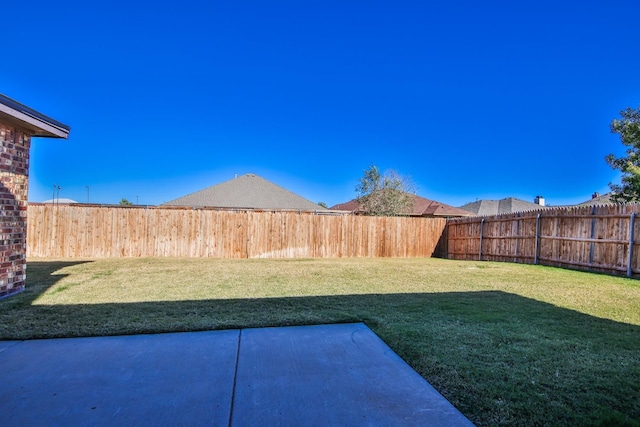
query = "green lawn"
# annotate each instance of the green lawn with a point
(507, 344)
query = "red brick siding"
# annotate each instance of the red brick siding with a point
(14, 187)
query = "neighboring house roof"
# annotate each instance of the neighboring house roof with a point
(246, 192)
(37, 123)
(598, 199)
(421, 207)
(60, 201)
(503, 206)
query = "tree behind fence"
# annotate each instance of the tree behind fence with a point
(101, 232)
(595, 238)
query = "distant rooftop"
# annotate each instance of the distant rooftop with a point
(502, 206)
(59, 201)
(598, 199)
(246, 192)
(421, 207)
(37, 123)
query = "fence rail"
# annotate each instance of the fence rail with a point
(101, 232)
(595, 238)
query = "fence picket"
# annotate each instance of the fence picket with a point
(600, 238)
(109, 231)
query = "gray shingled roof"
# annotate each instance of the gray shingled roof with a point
(246, 192)
(597, 199)
(503, 206)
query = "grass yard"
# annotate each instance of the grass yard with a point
(507, 344)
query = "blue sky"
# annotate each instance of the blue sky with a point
(469, 99)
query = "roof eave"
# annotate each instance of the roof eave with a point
(27, 118)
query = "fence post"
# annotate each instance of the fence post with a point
(515, 259)
(593, 235)
(537, 247)
(632, 221)
(481, 230)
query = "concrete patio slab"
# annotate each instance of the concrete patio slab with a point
(325, 375)
(142, 380)
(331, 375)
(5, 345)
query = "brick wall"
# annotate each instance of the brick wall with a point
(14, 186)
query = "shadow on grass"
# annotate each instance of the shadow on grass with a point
(499, 357)
(40, 277)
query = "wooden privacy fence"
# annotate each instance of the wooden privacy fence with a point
(595, 238)
(101, 232)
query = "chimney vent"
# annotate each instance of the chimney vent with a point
(539, 200)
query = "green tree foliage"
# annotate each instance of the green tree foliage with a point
(386, 194)
(125, 202)
(628, 127)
